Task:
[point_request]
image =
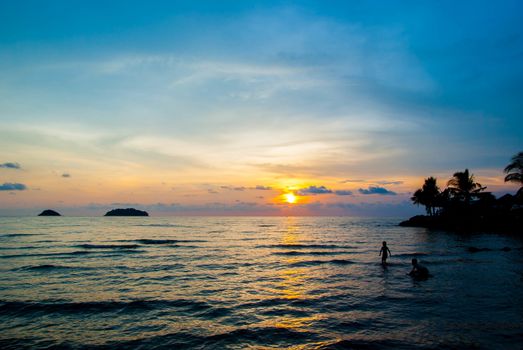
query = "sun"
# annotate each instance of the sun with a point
(290, 198)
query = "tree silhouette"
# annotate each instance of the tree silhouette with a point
(463, 187)
(515, 169)
(427, 195)
(465, 206)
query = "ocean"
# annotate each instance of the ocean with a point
(255, 283)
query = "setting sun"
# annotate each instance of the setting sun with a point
(290, 198)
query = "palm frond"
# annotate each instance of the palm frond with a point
(514, 177)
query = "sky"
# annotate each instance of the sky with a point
(234, 107)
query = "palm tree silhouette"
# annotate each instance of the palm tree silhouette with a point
(427, 195)
(515, 169)
(463, 187)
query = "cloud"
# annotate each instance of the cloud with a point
(343, 192)
(66, 175)
(10, 165)
(381, 182)
(243, 188)
(232, 188)
(376, 190)
(313, 190)
(351, 180)
(261, 188)
(385, 182)
(13, 187)
(211, 191)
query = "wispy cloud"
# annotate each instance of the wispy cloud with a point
(12, 187)
(234, 188)
(243, 188)
(262, 188)
(343, 192)
(10, 165)
(352, 180)
(387, 182)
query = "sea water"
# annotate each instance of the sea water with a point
(254, 282)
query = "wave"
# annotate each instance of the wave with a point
(75, 253)
(219, 266)
(23, 308)
(260, 335)
(19, 248)
(44, 254)
(49, 267)
(153, 241)
(166, 241)
(163, 225)
(504, 249)
(157, 241)
(297, 253)
(8, 235)
(322, 262)
(410, 255)
(286, 303)
(107, 246)
(362, 344)
(240, 337)
(303, 246)
(449, 261)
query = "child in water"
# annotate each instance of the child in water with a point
(418, 272)
(384, 252)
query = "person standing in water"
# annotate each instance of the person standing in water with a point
(384, 252)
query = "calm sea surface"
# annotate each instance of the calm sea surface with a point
(260, 283)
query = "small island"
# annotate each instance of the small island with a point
(49, 212)
(126, 212)
(465, 206)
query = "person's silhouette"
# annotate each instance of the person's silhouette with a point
(418, 271)
(384, 252)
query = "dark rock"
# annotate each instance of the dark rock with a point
(126, 212)
(418, 221)
(49, 212)
(496, 219)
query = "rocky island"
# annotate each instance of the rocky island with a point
(49, 212)
(126, 212)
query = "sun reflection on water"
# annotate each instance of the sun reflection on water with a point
(292, 278)
(293, 281)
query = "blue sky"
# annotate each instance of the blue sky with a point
(173, 102)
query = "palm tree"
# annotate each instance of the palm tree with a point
(515, 169)
(427, 195)
(463, 187)
(419, 198)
